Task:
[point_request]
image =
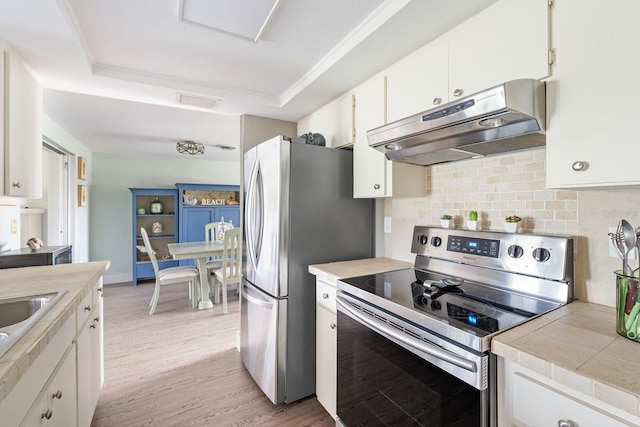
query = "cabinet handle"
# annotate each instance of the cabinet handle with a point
(325, 295)
(566, 423)
(332, 325)
(96, 319)
(99, 289)
(458, 92)
(580, 166)
(17, 185)
(437, 101)
(47, 414)
(87, 308)
(57, 394)
(92, 326)
(376, 186)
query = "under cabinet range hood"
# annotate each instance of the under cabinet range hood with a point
(505, 118)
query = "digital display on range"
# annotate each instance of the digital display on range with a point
(474, 246)
(479, 321)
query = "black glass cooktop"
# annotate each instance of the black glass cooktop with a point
(464, 304)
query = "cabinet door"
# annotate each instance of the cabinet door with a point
(23, 129)
(63, 393)
(591, 99)
(90, 367)
(371, 169)
(326, 362)
(418, 82)
(335, 122)
(507, 41)
(193, 222)
(56, 405)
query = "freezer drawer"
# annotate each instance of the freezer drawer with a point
(263, 339)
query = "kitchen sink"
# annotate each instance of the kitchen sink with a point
(19, 314)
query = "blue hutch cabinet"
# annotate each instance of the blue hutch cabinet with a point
(142, 217)
(200, 204)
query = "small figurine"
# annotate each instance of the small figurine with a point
(35, 243)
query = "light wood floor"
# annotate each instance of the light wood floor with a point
(180, 367)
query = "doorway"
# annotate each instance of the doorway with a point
(55, 194)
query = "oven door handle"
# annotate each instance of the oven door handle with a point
(392, 333)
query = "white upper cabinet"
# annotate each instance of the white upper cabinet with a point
(597, 66)
(369, 164)
(507, 41)
(334, 121)
(373, 175)
(418, 82)
(21, 126)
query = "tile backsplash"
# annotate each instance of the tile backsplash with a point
(514, 184)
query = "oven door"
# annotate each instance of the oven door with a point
(386, 375)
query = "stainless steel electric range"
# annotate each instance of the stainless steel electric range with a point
(414, 344)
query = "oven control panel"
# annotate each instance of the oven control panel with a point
(545, 256)
(474, 245)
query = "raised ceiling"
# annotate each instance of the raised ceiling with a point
(113, 70)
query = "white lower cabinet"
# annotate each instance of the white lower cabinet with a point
(56, 404)
(527, 399)
(90, 364)
(326, 346)
(61, 386)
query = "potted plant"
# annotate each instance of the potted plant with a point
(446, 221)
(472, 222)
(512, 223)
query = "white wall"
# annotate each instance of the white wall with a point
(79, 216)
(110, 198)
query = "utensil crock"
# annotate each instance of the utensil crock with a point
(627, 306)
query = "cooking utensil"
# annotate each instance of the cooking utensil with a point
(630, 242)
(616, 241)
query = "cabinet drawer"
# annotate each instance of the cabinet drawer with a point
(550, 406)
(326, 295)
(84, 309)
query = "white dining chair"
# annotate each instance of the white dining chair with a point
(171, 275)
(230, 272)
(211, 235)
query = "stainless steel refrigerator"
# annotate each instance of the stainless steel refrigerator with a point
(299, 210)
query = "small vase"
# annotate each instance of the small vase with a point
(156, 228)
(511, 227)
(472, 225)
(446, 223)
(156, 207)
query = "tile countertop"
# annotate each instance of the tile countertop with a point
(577, 346)
(76, 279)
(334, 271)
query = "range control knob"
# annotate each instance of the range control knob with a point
(422, 239)
(515, 251)
(541, 254)
(436, 241)
(435, 304)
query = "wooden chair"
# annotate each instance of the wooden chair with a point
(170, 275)
(230, 272)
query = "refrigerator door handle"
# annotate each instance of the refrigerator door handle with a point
(255, 215)
(256, 301)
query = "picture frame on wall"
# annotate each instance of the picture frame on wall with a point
(82, 168)
(82, 195)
